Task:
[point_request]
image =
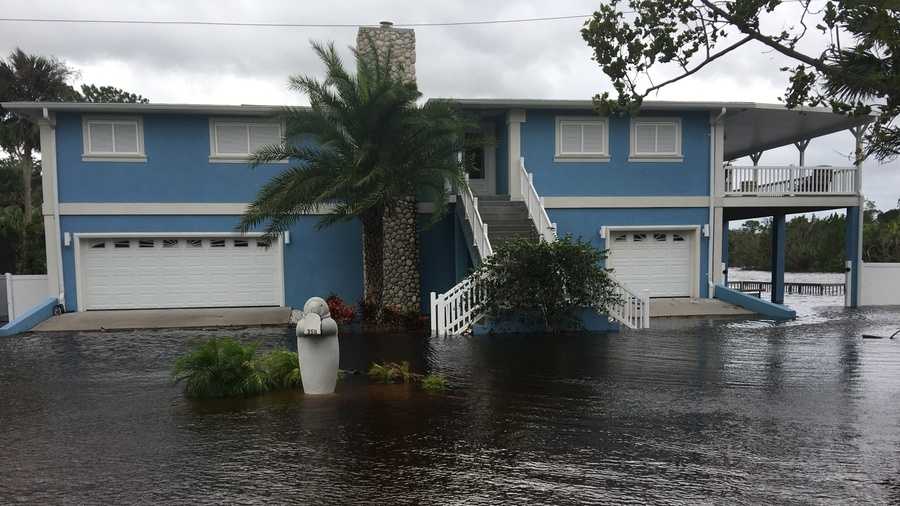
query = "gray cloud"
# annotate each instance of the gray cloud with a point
(251, 65)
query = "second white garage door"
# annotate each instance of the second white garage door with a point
(152, 272)
(656, 261)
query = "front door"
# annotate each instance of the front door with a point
(481, 163)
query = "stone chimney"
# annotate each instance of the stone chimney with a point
(401, 41)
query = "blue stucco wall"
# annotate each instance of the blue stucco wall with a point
(437, 255)
(317, 262)
(177, 167)
(586, 223)
(618, 176)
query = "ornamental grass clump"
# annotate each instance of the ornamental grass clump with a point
(400, 372)
(223, 367)
(434, 383)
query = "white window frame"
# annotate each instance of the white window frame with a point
(216, 157)
(89, 155)
(634, 155)
(561, 156)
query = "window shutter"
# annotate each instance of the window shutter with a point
(231, 139)
(263, 135)
(666, 136)
(645, 138)
(126, 140)
(101, 137)
(570, 138)
(594, 138)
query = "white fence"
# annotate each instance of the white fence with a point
(790, 180)
(23, 292)
(880, 284)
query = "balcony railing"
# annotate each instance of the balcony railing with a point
(790, 180)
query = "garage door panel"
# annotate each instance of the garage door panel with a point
(658, 261)
(169, 273)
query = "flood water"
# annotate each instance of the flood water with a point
(690, 411)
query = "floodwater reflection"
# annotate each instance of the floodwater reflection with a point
(692, 410)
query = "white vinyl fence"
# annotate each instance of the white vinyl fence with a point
(880, 284)
(21, 293)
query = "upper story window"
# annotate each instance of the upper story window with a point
(658, 138)
(113, 139)
(236, 140)
(582, 138)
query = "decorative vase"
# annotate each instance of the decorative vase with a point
(318, 348)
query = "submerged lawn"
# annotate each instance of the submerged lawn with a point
(689, 411)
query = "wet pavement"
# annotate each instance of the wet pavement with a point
(690, 411)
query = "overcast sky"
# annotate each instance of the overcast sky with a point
(238, 65)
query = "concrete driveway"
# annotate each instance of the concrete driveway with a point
(166, 318)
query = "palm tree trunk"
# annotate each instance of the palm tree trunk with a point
(401, 257)
(373, 268)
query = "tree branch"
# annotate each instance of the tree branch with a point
(756, 35)
(701, 65)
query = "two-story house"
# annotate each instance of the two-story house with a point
(142, 200)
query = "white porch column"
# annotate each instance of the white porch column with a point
(858, 133)
(514, 120)
(50, 206)
(715, 236)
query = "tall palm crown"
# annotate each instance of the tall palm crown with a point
(362, 144)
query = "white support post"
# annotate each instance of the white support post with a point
(514, 120)
(645, 309)
(10, 297)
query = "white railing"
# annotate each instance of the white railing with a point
(22, 292)
(479, 227)
(535, 205)
(456, 310)
(790, 180)
(632, 309)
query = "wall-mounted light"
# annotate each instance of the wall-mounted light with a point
(67, 239)
(603, 232)
(287, 237)
(706, 230)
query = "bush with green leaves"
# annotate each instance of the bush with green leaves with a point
(434, 382)
(401, 372)
(546, 283)
(223, 367)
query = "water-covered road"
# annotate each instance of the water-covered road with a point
(690, 411)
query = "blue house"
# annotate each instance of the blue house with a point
(142, 201)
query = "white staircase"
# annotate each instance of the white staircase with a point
(456, 310)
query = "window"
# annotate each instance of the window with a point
(474, 157)
(217, 243)
(98, 244)
(240, 243)
(677, 237)
(620, 237)
(639, 237)
(116, 139)
(659, 138)
(145, 243)
(582, 137)
(194, 243)
(237, 140)
(659, 237)
(170, 243)
(122, 244)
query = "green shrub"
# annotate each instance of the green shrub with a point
(392, 372)
(548, 283)
(434, 382)
(223, 367)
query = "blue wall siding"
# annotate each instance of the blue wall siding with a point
(177, 167)
(618, 176)
(586, 223)
(317, 262)
(437, 255)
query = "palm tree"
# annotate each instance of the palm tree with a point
(25, 77)
(375, 151)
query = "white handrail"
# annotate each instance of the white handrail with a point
(790, 180)
(473, 216)
(457, 309)
(632, 309)
(535, 205)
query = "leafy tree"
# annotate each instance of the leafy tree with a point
(549, 283)
(856, 72)
(365, 149)
(110, 94)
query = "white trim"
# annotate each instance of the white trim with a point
(634, 155)
(514, 120)
(660, 158)
(581, 121)
(573, 159)
(182, 208)
(693, 230)
(89, 155)
(797, 201)
(623, 202)
(216, 157)
(50, 207)
(79, 276)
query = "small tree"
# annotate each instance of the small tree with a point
(110, 95)
(548, 283)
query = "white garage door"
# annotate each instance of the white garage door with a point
(655, 261)
(178, 272)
